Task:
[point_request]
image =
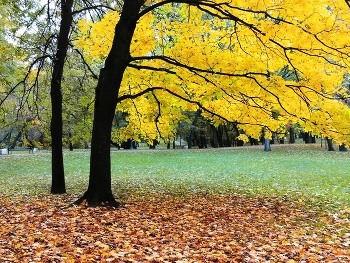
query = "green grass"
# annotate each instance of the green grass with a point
(307, 173)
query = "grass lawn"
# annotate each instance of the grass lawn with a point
(306, 171)
(224, 205)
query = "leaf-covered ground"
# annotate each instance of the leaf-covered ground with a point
(215, 228)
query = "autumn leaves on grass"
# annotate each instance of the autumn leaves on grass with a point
(192, 229)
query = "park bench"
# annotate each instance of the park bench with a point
(29, 149)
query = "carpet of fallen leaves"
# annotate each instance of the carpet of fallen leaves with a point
(169, 229)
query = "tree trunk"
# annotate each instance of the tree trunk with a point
(228, 140)
(58, 185)
(154, 144)
(342, 148)
(14, 142)
(291, 135)
(307, 137)
(329, 144)
(192, 132)
(86, 145)
(99, 191)
(220, 133)
(70, 142)
(214, 140)
(267, 145)
(313, 138)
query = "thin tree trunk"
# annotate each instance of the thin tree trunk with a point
(214, 140)
(267, 145)
(220, 133)
(58, 185)
(291, 135)
(70, 142)
(192, 132)
(14, 142)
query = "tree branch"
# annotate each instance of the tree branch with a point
(151, 89)
(347, 2)
(95, 76)
(92, 8)
(25, 77)
(174, 62)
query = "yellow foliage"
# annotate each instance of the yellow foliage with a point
(233, 64)
(243, 138)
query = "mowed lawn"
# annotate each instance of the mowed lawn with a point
(214, 205)
(296, 170)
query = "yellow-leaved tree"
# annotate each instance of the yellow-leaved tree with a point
(224, 58)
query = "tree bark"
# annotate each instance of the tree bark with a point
(267, 145)
(220, 135)
(291, 135)
(192, 131)
(307, 137)
(329, 144)
(58, 185)
(99, 191)
(214, 140)
(342, 148)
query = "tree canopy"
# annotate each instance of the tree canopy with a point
(226, 58)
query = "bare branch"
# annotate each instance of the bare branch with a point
(95, 76)
(92, 8)
(158, 115)
(25, 77)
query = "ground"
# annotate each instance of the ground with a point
(160, 228)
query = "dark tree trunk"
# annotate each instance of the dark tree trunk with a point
(192, 132)
(220, 133)
(307, 137)
(99, 191)
(253, 141)
(203, 141)
(214, 139)
(16, 139)
(342, 148)
(228, 142)
(86, 145)
(70, 142)
(291, 135)
(329, 144)
(313, 139)
(153, 146)
(58, 185)
(240, 143)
